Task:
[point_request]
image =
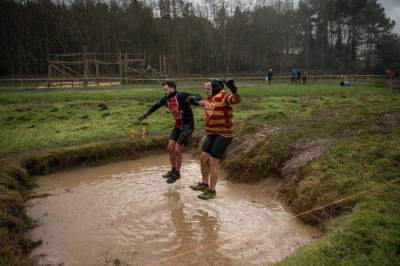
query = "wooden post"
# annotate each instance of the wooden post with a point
(160, 63)
(48, 75)
(165, 64)
(126, 68)
(48, 69)
(96, 64)
(120, 67)
(85, 65)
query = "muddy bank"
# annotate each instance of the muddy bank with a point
(287, 151)
(311, 162)
(90, 154)
(14, 223)
(126, 212)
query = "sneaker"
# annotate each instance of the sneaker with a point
(173, 178)
(208, 194)
(169, 174)
(199, 187)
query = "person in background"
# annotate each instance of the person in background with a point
(390, 74)
(298, 76)
(305, 77)
(270, 74)
(293, 74)
(344, 82)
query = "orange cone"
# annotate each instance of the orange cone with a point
(144, 132)
(132, 133)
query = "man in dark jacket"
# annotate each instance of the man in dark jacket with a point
(178, 104)
(270, 74)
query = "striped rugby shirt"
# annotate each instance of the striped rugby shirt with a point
(218, 114)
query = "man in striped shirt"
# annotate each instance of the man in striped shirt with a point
(219, 128)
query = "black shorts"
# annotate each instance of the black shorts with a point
(216, 145)
(182, 135)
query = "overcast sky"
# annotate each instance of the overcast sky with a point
(392, 8)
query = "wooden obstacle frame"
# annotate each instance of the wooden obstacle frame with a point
(89, 65)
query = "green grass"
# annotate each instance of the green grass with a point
(61, 117)
(370, 233)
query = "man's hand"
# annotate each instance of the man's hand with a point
(193, 100)
(143, 117)
(231, 85)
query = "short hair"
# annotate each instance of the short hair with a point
(170, 84)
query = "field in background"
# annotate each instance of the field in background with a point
(39, 83)
(39, 119)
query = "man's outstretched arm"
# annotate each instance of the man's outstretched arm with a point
(195, 100)
(154, 108)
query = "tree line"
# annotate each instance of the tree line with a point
(203, 37)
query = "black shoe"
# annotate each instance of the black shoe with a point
(208, 194)
(199, 187)
(173, 178)
(169, 174)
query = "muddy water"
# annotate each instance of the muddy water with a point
(125, 213)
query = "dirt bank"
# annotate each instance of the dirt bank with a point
(14, 222)
(288, 150)
(313, 162)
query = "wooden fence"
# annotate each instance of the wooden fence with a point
(42, 83)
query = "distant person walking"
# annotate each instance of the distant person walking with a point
(293, 74)
(390, 74)
(219, 132)
(305, 77)
(270, 75)
(179, 106)
(298, 76)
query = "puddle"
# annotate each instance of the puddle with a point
(125, 213)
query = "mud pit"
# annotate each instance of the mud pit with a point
(125, 213)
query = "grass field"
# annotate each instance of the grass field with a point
(60, 117)
(359, 126)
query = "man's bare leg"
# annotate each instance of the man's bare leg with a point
(178, 157)
(205, 170)
(175, 153)
(214, 172)
(171, 152)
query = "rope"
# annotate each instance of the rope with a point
(344, 199)
(291, 217)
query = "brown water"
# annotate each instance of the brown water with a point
(125, 212)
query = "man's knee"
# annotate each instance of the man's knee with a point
(178, 148)
(214, 161)
(204, 157)
(171, 146)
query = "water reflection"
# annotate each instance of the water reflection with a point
(209, 226)
(184, 236)
(195, 232)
